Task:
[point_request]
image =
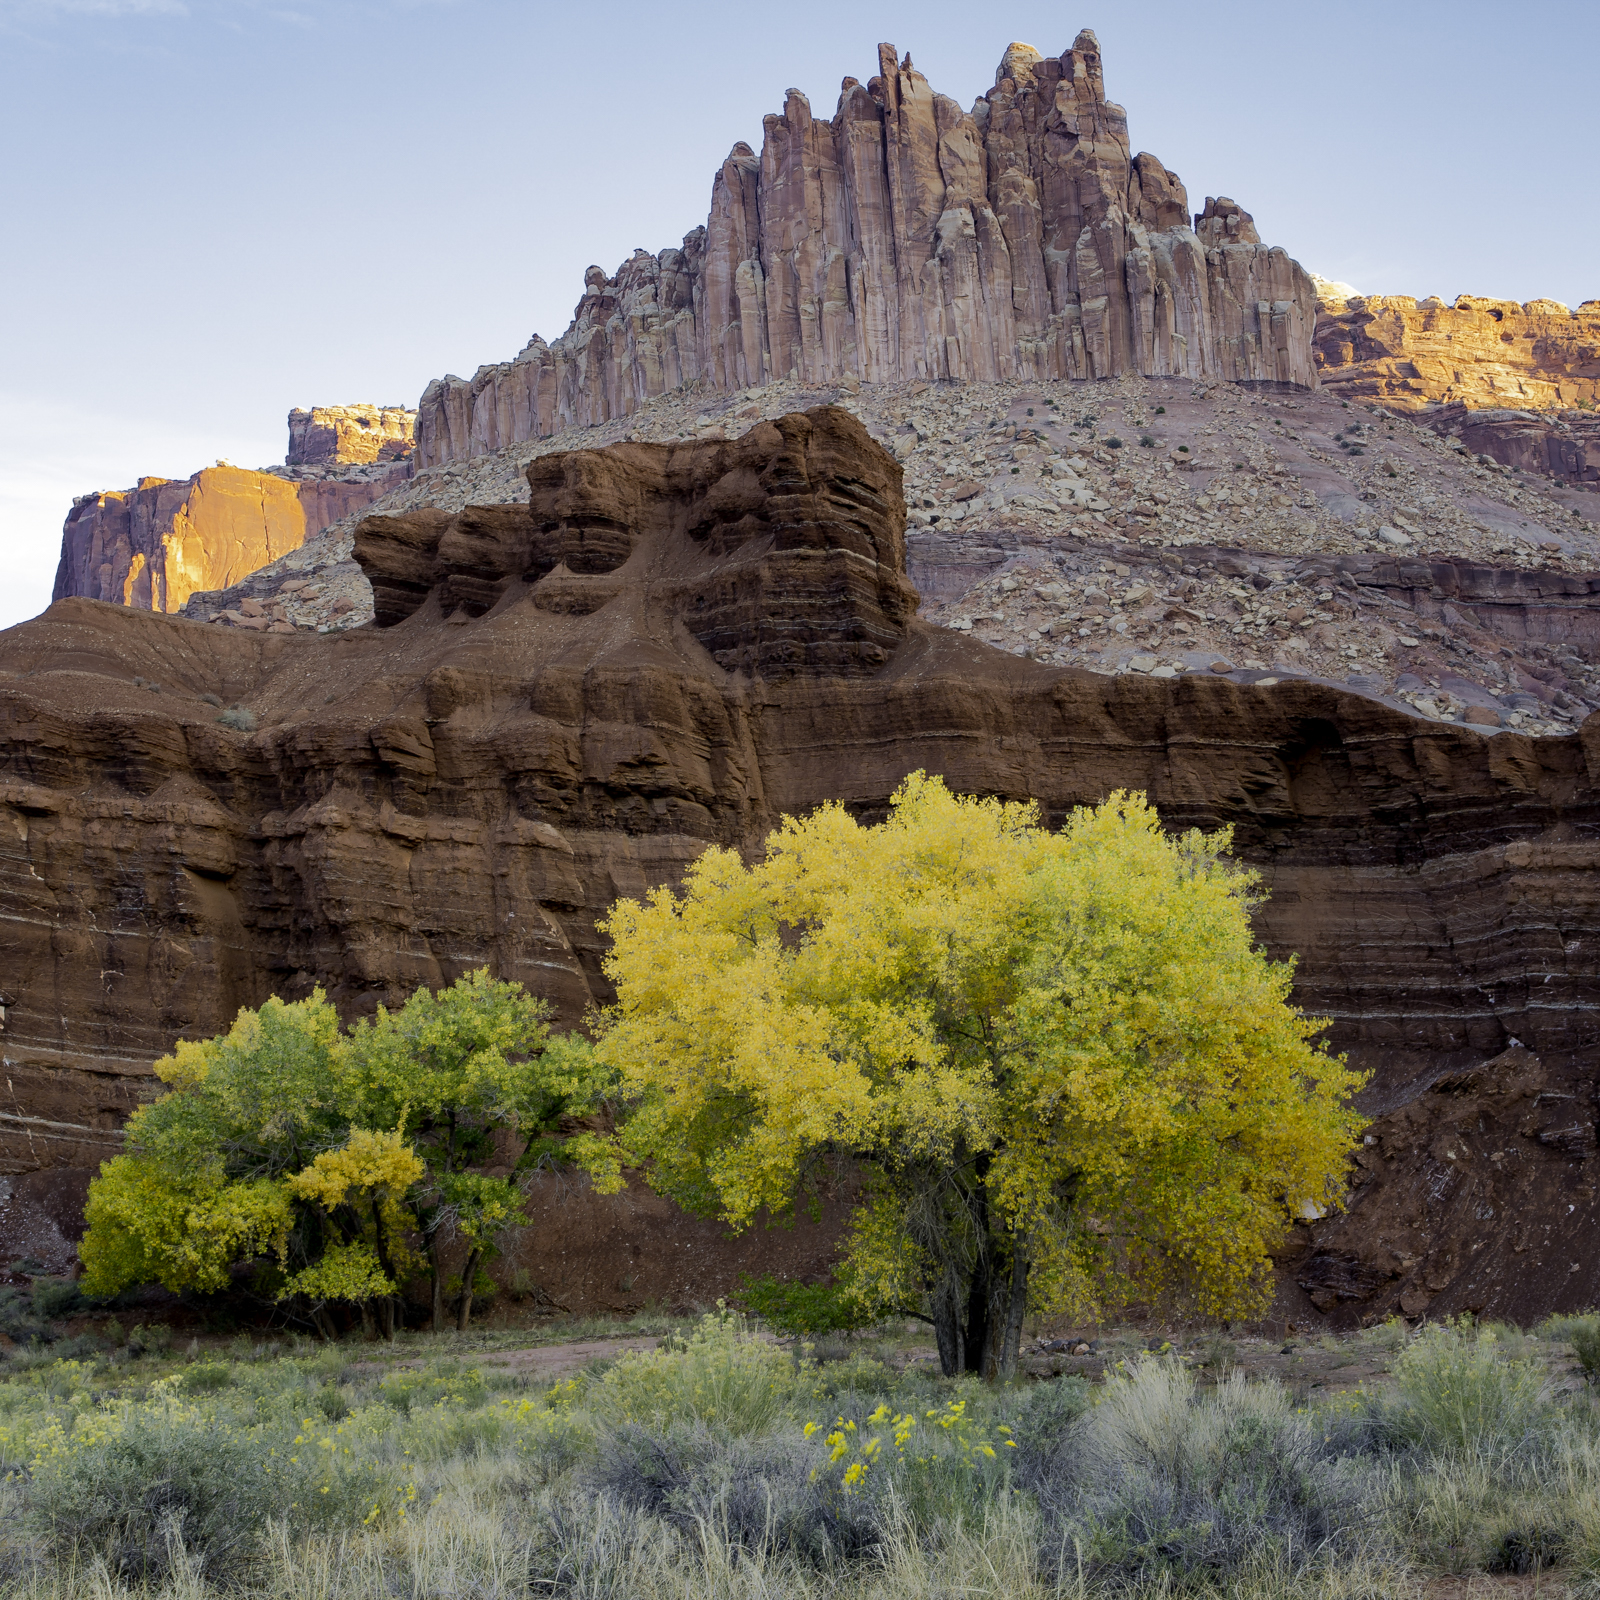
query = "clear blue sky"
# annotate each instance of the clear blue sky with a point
(215, 210)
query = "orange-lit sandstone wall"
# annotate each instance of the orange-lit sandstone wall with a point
(1410, 354)
(153, 546)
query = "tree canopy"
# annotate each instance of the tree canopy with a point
(1072, 1077)
(328, 1156)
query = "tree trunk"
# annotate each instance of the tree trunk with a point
(468, 1273)
(1017, 1297)
(437, 1268)
(945, 1299)
(979, 1319)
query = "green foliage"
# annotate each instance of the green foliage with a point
(803, 1308)
(719, 1376)
(143, 1481)
(240, 718)
(21, 1318)
(1582, 1332)
(55, 1298)
(1459, 1393)
(327, 1156)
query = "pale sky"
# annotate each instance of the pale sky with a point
(216, 210)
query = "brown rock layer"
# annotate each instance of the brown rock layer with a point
(1484, 354)
(456, 789)
(1475, 1192)
(908, 239)
(1564, 445)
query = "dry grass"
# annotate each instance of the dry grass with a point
(722, 1466)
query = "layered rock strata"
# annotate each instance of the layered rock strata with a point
(348, 435)
(458, 788)
(1411, 354)
(906, 239)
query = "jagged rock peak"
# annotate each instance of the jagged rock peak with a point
(906, 239)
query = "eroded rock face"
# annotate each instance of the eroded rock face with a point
(791, 543)
(908, 239)
(349, 434)
(1474, 1192)
(153, 546)
(1485, 354)
(457, 789)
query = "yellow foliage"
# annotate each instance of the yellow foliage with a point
(1079, 1022)
(150, 1224)
(371, 1163)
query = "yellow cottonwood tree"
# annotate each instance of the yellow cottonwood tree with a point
(1073, 1077)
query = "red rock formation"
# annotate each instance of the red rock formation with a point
(153, 546)
(327, 435)
(1411, 354)
(907, 239)
(1561, 445)
(471, 785)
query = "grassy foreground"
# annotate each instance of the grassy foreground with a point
(724, 1464)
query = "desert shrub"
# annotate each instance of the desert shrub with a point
(140, 1483)
(1457, 1392)
(722, 1375)
(240, 718)
(55, 1298)
(1582, 1332)
(206, 1375)
(1043, 1418)
(21, 1319)
(766, 1494)
(154, 1340)
(1529, 1546)
(406, 1390)
(1160, 1483)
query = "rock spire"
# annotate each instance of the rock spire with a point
(906, 239)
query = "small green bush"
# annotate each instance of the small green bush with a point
(1458, 1392)
(802, 1308)
(240, 718)
(21, 1319)
(722, 1375)
(1582, 1332)
(55, 1298)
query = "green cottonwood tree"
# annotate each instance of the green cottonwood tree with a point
(324, 1151)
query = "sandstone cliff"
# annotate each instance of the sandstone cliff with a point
(349, 434)
(1410, 354)
(151, 547)
(908, 239)
(154, 546)
(570, 700)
